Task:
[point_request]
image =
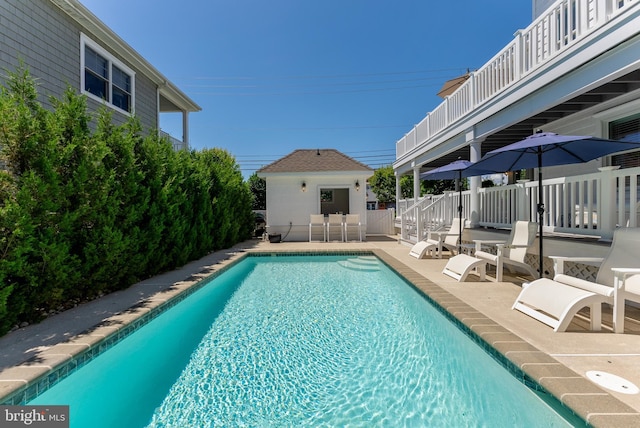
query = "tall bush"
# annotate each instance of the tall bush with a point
(230, 197)
(258, 187)
(84, 213)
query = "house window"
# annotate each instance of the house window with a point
(96, 74)
(121, 89)
(104, 78)
(627, 129)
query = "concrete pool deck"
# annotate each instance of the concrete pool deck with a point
(557, 361)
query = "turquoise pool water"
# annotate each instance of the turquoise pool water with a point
(299, 341)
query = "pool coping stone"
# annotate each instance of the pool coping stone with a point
(20, 384)
(597, 408)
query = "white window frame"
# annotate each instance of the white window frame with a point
(113, 61)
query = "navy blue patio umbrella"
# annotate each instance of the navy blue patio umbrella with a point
(455, 170)
(549, 149)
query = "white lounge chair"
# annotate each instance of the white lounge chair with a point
(437, 240)
(335, 223)
(317, 221)
(460, 266)
(511, 252)
(555, 302)
(352, 221)
(626, 286)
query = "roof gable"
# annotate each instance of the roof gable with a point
(315, 160)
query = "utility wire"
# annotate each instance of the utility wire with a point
(323, 76)
(302, 128)
(292, 84)
(352, 91)
(438, 78)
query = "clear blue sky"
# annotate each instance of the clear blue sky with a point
(279, 75)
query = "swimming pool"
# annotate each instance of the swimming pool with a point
(299, 341)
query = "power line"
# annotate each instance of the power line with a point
(311, 128)
(323, 76)
(439, 78)
(389, 151)
(378, 160)
(345, 152)
(363, 159)
(352, 91)
(373, 158)
(371, 151)
(293, 84)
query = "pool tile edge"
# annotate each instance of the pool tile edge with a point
(23, 382)
(535, 374)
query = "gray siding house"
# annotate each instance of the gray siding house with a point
(62, 43)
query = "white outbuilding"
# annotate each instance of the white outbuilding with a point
(311, 182)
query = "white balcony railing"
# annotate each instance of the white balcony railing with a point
(563, 25)
(177, 144)
(591, 205)
(431, 213)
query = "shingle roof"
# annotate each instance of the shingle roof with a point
(315, 160)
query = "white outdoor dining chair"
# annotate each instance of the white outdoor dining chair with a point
(335, 223)
(316, 222)
(352, 221)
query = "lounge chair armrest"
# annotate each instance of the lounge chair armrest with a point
(489, 241)
(502, 246)
(480, 242)
(441, 235)
(621, 292)
(621, 274)
(512, 246)
(558, 262)
(626, 271)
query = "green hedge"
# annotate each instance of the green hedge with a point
(85, 213)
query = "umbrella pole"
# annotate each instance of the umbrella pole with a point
(540, 210)
(460, 211)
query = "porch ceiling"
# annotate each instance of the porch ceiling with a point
(518, 131)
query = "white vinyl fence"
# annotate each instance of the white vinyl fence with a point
(381, 222)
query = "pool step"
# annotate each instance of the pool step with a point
(369, 259)
(366, 260)
(362, 263)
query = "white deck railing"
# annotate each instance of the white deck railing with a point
(561, 26)
(591, 204)
(177, 144)
(430, 213)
